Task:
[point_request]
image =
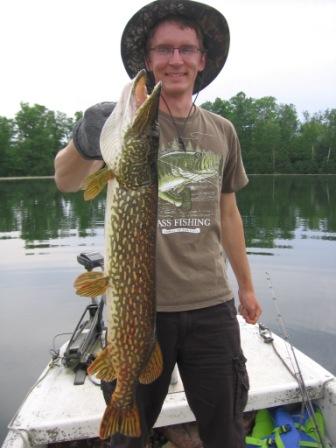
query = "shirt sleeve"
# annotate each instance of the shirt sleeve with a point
(234, 175)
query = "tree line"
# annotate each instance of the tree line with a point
(272, 137)
(30, 141)
(274, 140)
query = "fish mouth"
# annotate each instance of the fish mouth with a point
(147, 105)
(139, 89)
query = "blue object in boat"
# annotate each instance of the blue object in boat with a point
(290, 438)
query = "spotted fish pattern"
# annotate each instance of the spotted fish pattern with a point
(129, 146)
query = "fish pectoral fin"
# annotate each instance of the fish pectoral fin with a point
(96, 182)
(91, 284)
(119, 420)
(102, 366)
(154, 367)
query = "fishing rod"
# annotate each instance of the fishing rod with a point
(296, 372)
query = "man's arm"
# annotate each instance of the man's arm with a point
(234, 245)
(71, 168)
(82, 156)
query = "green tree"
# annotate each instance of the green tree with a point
(40, 133)
(266, 147)
(6, 142)
(273, 139)
(306, 155)
(243, 116)
(219, 107)
(240, 111)
(328, 164)
(289, 124)
(265, 136)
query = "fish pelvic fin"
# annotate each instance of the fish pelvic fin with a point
(102, 366)
(91, 284)
(154, 367)
(96, 182)
(118, 420)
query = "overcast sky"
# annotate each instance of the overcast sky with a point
(65, 54)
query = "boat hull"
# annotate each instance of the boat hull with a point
(74, 412)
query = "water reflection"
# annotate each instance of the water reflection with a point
(273, 208)
(37, 211)
(286, 208)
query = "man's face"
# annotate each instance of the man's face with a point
(177, 71)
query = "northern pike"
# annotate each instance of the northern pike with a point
(129, 145)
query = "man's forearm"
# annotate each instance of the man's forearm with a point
(233, 241)
(234, 246)
(71, 169)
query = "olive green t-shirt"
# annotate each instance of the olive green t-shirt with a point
(191, 266)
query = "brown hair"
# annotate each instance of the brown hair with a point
(183, 21)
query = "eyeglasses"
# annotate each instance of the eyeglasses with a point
(185, 51)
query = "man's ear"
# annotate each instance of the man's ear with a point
(203, 62)
(148, 64)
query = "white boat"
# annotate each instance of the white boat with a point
(56, 410)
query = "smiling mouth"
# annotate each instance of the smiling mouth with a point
(175, 75)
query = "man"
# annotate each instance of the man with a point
(185, 44)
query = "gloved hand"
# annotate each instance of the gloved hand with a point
(86, 132)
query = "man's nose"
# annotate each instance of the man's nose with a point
(176, 56)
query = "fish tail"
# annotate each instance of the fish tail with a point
(118, 420)
(102, 366)
(154, 367)
(91, 284)
(96, 182)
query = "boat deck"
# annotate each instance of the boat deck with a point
(56, 410)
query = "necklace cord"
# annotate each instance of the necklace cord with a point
(179, 134)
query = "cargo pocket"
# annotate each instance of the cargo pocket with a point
(242, 383)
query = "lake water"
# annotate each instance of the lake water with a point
(290, 224)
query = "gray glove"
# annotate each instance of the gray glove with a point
(86, 133)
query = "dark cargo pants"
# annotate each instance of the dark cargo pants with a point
(205, 343)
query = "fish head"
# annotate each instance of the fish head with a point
(147, 106)
(138, 164)
(130, 137)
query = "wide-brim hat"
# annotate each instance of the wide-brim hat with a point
(216, 35)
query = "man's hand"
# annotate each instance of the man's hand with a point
(86, 133)
(249, 307)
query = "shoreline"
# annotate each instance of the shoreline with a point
(291, 174)
(11, 178)
(26, 177)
